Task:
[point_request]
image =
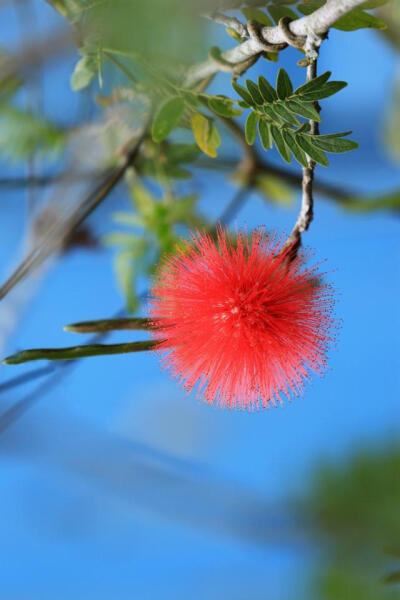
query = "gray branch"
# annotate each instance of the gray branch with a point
(318, 23)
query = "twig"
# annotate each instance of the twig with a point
(318, 22)
(228, 21)
(307, 201)
(74, 352)
(103, 325)
(62, 231)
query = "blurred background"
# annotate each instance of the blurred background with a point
(113, 483)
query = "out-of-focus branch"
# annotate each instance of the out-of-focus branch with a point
(60, 232)
(317, 23)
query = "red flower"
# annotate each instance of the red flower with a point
(239, 321)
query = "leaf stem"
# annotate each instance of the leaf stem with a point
(74, 352)
(103, 325)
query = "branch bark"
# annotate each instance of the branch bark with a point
(317, 23)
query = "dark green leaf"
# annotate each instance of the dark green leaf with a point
(243, 93)
(298, 153)
(251, 128)
(314, 83)
(280, 143)
(328, 89)
(254, 91)
(269, 109)
(358, 19)
(286, 114)
(334, 145)
(258, 15)
(167, 117)
(267, 90)
(224, 107)
(392, 577)
(315, 153)
(305, 109)
(277, 12)
(283, 84)
(265, 134)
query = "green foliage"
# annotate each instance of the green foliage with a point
(277, 112)
(87, 67)
(154, 235)
(167, 117)
(357, 18)
(353, 509)
(22, 133)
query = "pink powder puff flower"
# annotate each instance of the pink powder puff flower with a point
(239, 321)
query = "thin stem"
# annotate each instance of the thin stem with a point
(104, 325)
(74, 352)
(120, 66)
(307, 201)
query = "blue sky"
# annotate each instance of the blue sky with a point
(116, 485)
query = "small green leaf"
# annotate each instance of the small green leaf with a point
(243, 93)
(269, 109)
(275, 189)
(358, 19)
(280, 144)
(334, 145)
(205, 134)
(181, 153)
(305, 109)
(265, 134)
(277, 12)
(254, 91)
(283, 84)
(392, 577)
(167, 117)
(281, 109)
(316, 154)
(297, 152)
(328, 89)
(224, 107)
(256, 14)
(251, 128)
(314, 84)
(85, 70)
(266, 89)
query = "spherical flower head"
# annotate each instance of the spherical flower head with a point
(240, 320)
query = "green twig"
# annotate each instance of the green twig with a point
(109, 325)
(74, 352)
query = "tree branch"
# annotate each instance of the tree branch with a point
(317, 23)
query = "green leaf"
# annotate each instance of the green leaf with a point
(167, 117)
(314, 84)
(266, 89)
(358, 19)
(270, 110)
(24, 133)
(277, 12)
(205, 134)
(328, 89)
(254, 91)
(181, 153)
(251, 128)
(297, 152)
(85, 70)
(305, 142)
(223, 107)
(286, 114)
(284, 86)
(243, 93)
(333, 144)
(392, 577)
(275, 189)
(305, 109)
(256, 14)
(265, 134)
(280, 143)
